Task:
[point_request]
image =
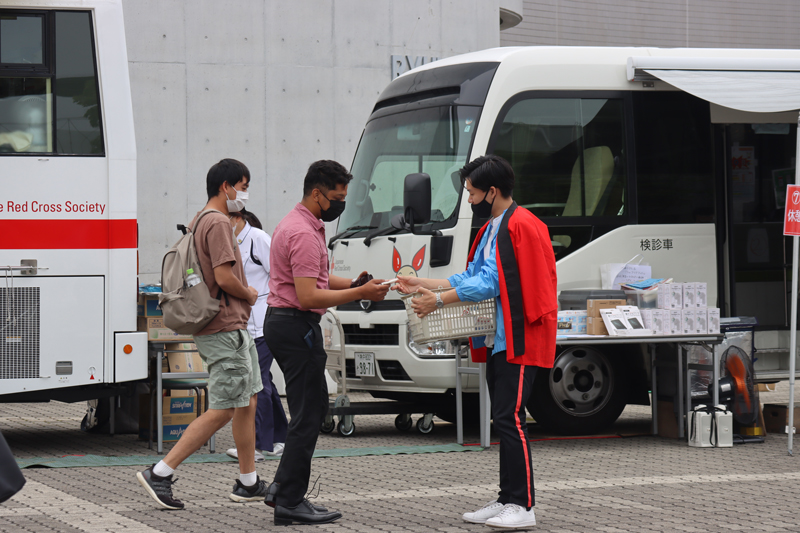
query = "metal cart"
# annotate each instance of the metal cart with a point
(333, 339)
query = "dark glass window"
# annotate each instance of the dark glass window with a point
(674, 167)
(49, 102)
(567, 155)
(77, 109)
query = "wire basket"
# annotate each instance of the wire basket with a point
(454, 321)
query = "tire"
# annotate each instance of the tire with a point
(583, 393)
(401, 425)
(345, 433)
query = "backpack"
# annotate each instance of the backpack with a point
(185, 300)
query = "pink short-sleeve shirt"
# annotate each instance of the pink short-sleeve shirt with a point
(298, 251)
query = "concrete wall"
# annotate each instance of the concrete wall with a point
(275, 84)
(664, 23)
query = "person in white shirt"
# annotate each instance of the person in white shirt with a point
(271, 423)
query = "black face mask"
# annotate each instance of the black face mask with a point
(483, 209)
(334, 210)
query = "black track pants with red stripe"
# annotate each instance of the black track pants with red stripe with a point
(509, 388)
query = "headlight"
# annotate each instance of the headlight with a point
(433, 349)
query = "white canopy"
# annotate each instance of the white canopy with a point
(752, 84)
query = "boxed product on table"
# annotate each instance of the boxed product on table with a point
(615, 321)
(663, 296)
(571, 323)
(689, 295)
(659, 322)
(675, 322)
(634, 318)
(713, 320)
(701, 294)
(675, 296)
(701, 321)
(689, 316)
(593, 307)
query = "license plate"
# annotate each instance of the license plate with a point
(365, 364)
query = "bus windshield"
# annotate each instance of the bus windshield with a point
(433, 140)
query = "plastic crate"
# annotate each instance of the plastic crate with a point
(459, 320)
(642, 299)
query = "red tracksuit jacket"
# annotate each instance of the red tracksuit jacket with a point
(527, 271)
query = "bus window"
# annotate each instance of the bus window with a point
(567, 155)
(48, 104)
(674, 172)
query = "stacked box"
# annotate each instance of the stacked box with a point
(675, 296)
(594, 322)
(689, 295)
(156, 331)
(689, 316)
(660, 322)
(701, 295)
(148, 305)
(675, 322)
(713, 320)
(176, 415)
(571, 323)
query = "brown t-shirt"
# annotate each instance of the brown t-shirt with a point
(215, 246)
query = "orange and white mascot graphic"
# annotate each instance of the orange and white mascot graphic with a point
(408, 270)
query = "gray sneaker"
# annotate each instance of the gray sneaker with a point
(159, 488)
(242, 494)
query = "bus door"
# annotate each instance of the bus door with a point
(759, 163)
(53, 202)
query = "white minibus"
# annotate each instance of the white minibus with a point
(681, 155)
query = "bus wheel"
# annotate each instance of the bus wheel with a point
(583, 393)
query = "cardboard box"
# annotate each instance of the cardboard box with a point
(701, 295)
(571, 323)
(148, 305)
(176, 416)
(776, 417)
(675, 322)
(595, 326)
(689, 295)
(593, 307)
(767, 387)
(713, 320)
(154, 326)
(667, 421)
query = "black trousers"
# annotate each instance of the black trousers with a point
(509, 388)
(297, 346)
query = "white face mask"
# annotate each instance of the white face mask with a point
(238, 203)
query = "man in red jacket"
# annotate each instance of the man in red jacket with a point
(511, 260)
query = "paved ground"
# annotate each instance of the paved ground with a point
(635, 484)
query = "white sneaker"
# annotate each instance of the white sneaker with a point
(512, 516)
(259, 457)
(277, 449)
(484, 513)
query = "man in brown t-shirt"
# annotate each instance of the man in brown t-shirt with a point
(224, 345)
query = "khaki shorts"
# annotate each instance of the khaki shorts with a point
(233, 372)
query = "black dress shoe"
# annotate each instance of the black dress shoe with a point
(303, 513)
(272, 492)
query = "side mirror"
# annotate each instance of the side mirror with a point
(417, 199)
(416, 205)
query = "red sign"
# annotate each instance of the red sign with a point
(791, 220)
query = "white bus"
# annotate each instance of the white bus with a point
(681, 155)
(68, 230)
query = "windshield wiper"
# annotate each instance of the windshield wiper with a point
(385, 231)
(346, 233)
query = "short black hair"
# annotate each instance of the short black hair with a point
(248, 217)
(489, 171)
(325, 174)
(229, 170)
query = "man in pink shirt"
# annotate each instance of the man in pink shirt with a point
(300, 290)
